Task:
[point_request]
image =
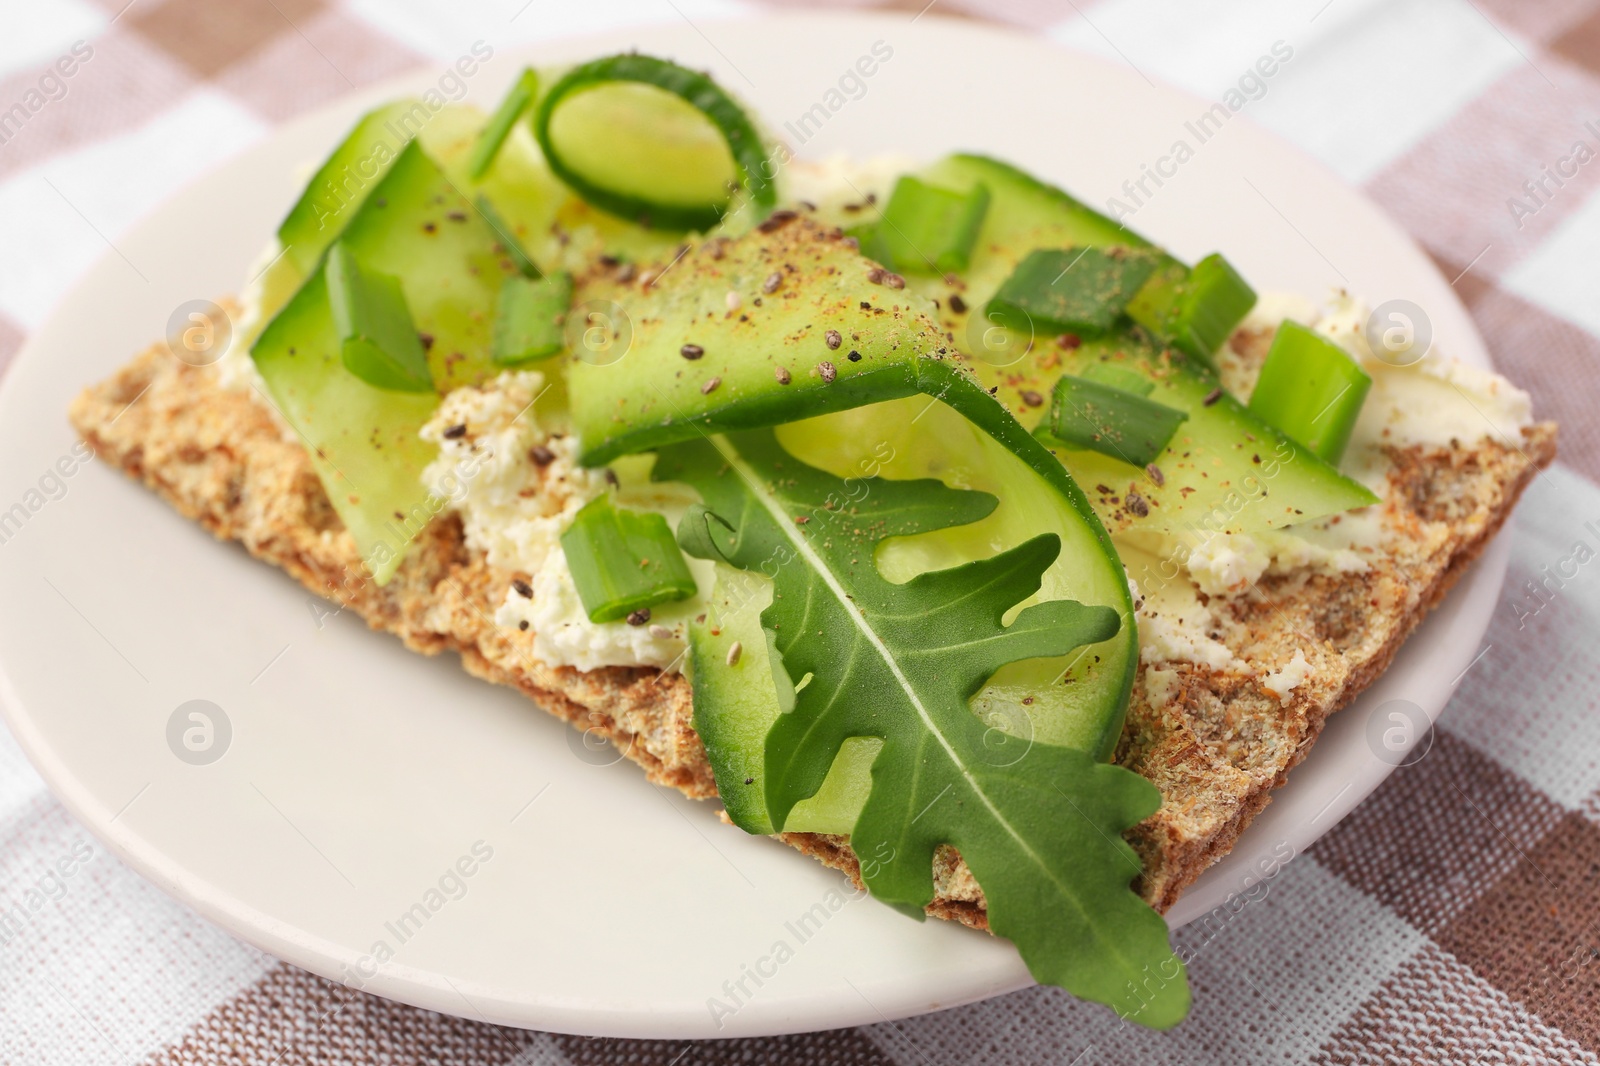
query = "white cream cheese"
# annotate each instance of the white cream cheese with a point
(1174, 626)
(515, 511)
(1436, 401)
(517, 487)
(235, 369)
(1285, 679)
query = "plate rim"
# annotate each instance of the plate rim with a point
(299, 947)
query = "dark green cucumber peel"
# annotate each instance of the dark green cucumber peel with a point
(743, 139)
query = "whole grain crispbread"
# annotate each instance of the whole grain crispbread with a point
(1217, 746)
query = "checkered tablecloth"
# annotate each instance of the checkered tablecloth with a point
(1451, 919)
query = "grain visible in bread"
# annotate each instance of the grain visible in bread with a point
(1216, 746)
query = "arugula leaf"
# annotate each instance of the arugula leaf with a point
(1039, 825)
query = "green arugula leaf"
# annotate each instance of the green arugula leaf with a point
(1039, 825)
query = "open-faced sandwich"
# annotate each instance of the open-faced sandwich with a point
(932, 521)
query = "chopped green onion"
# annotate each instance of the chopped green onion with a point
(623, 561)
(508, 240)
(1118, 377)
(378, 341)
(530, 320)
(869, 236)
(697, 90)
(1194, 310)
(926, 229)
(1100, 418)
(1070, 290)
(1311, 389)
(520, 97)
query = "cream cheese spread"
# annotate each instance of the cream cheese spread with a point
(517, 485)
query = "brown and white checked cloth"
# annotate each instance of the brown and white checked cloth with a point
(1454, 918)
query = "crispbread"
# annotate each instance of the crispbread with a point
(1216, 750)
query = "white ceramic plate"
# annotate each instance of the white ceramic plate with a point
(358, 775)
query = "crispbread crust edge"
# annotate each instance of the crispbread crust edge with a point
(219, 457)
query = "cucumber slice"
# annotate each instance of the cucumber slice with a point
(652, 142)
(1074, 701)
(1225, 470)
(363, 440)
(1215, 477)
(355, 168)
(1194, 310)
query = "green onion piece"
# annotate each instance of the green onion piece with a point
(1118, 377)
(744, 141)
(378, 341)
(623, 561)
(930, 230)
(508, 240)
(1194, 310)
(1070, 290)
(1101, 418)
(873, 246)
(1311, 389)
(530, 319)
(517, 100)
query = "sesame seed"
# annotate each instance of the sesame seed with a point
(782, 374)
(661, 632)
(828, 371)
(524, 589)
(628, 272)
(1156, 475)
(771, 284)
(639, 617)
(456, 432)
(1031, 398)
(1137, 504)
(1069, 340)
(710, 386)
(691, 351)
(894, 281)
(957, 304)
(1212, 397)
(832, 339)
(734, 652)
(541, 455)
(732, 300)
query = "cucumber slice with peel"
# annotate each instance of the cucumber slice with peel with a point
(777, 362)
(363, 440)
